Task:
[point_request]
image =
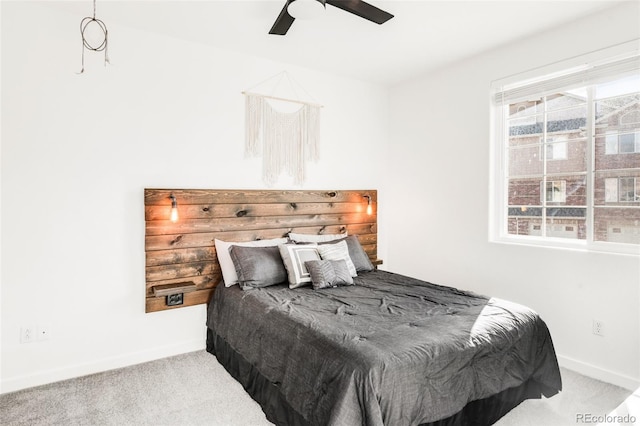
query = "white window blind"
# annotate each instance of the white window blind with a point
(566, 160)
(566, 80)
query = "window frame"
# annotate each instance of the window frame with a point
(634, 186)
(499, 161)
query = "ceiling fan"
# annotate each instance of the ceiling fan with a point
(298, 8)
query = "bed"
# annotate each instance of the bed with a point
(387, 350)
(378, 349)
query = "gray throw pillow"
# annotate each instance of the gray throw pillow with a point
(337, 251)
(358, 256)
(258, 266)
(328, 273)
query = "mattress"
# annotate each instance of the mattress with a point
(389, 350)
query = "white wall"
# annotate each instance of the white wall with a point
(77, 151)
(440, 131)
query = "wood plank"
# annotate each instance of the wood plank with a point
(167, 257)
(157, 196)
(352, 229)
(208, 254)
(154, 304)
(191, 226)
(171, 242)
(163, 290)
(371, 250)
(209, 211)
(167, 242)
(370, 247)
(365, 239)
(202, 282)
(359, 229)
(185, 255)
(180, 270)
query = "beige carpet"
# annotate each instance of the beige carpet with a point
(582, 398)
(194, 389)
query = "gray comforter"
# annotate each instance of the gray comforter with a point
(390, 350)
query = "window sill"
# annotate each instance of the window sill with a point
(572, 245)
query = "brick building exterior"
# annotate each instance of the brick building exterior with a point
(561, 200)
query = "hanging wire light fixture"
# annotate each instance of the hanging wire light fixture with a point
(91, 26)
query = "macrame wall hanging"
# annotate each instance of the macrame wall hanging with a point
(285, 137)
(94, 36)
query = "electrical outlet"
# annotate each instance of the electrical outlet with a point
(42, 332)
(27, 334)
(598, 327)
(175, 299)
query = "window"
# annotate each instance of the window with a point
(625, 143)
(568, 157)
(556, 149)
(556, 191)
(624, 189)
(629, 190)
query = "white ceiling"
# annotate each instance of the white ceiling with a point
(423, 35)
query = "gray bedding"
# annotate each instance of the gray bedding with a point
(389, 350)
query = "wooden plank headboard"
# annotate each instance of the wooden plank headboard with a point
(184, 251)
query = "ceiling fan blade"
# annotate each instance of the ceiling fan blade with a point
(283, 21)
(362, 9)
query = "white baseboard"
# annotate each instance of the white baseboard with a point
(55, 375)
(599, 373)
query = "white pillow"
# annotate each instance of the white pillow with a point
(315, 238)
(338, 251)
(294, 257)
(229, 274)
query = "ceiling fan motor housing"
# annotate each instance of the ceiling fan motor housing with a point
(306, 9)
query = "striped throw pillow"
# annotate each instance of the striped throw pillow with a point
(338, 251)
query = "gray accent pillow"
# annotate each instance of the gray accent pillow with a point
(329, 273)
(338, 251)
(258, 266)
(229, 274)
(358, 256)
(294, 257)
